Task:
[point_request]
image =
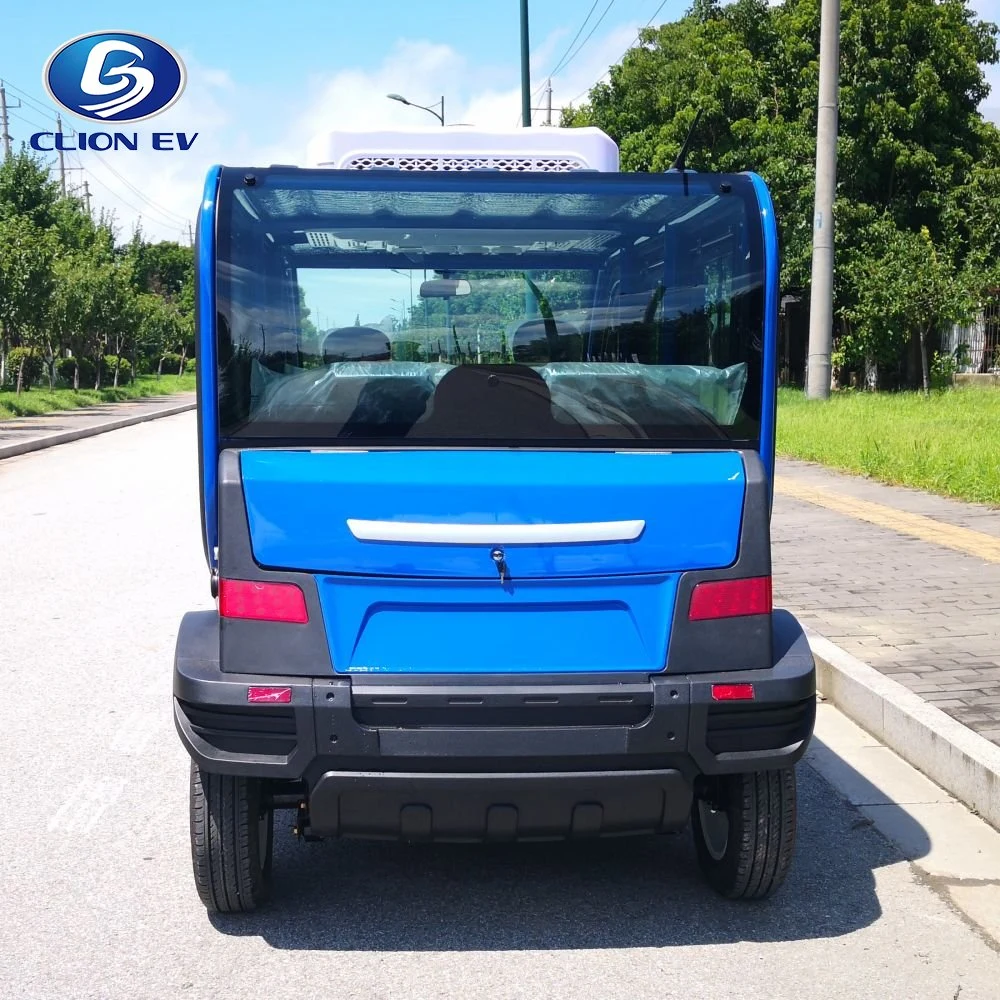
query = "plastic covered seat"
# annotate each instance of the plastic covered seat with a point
(533, 345)
(356, 343)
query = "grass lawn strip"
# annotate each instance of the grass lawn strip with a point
(39, 400)
(947, 443)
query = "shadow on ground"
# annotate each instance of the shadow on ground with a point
(629, 893)
(21, 425)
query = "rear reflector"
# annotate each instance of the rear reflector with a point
(730, 598)
(732, 692)
(267, 602)
(269, 695)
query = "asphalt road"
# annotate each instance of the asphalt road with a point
(100, 554)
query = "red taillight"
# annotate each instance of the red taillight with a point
(266, 602)
(730, 598)
(732, 692)
(269, 695)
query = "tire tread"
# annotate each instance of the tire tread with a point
(224, 815)
(761, 807)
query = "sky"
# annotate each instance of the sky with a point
(264, 77)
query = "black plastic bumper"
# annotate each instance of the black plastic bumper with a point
(474, 758)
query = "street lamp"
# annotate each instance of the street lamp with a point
(439, 115)
(406, 274)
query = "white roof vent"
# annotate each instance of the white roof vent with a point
(541, 148)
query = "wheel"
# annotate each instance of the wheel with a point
(744, 831)
(232, 836)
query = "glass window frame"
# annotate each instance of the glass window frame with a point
(740, 185)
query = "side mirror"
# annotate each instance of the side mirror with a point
(444, 288)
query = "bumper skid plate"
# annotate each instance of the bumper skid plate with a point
(492, 758)
(497, 806)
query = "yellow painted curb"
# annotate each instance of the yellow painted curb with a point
(927, 529)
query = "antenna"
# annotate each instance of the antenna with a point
(679, 163)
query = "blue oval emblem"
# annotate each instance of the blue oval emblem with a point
(114, 76)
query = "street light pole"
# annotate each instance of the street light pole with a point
(405, 274)
(525, 68)
(439, 115)
(821, 303)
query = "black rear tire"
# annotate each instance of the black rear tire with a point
(744, 831)
(232, 838)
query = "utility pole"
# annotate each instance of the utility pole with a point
(190, 235)
(548, 102)
(821, 304)
(4, 122)
(62, 161)
(86, 193)
(525, 68)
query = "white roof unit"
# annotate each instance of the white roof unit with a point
(543, 148)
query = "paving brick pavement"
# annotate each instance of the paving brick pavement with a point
(926, 615)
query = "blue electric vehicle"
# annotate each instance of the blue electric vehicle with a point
(487, 448)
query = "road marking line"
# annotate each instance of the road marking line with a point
(927, 529)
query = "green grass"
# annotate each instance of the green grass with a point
(39, 400)
(947, 443)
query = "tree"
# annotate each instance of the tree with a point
(159, 327)
(905, 289)
(165, 270)
(66, 286)
(26, 258)
(26, 190)
(915, 154)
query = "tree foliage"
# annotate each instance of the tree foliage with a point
(68, 290)
(919, 168)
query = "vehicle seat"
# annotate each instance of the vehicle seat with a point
(493, 403)
(356, 343)
(530, 344)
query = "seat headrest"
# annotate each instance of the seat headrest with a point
(530, 343)
(356, 343)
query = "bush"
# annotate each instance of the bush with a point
(942, 370)
(171, 363)
(34, 366)
(87, 373)
(108, 370)
(146, 363)
(65, 367)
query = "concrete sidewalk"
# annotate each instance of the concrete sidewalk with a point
(905, 581)
(26, 434)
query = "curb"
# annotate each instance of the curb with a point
(64, 437)
(962, 762)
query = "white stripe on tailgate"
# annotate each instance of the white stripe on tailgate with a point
(495, 534)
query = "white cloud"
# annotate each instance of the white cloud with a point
(160, 189)
(243, 123)
(233, 119)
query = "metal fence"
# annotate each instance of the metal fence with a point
(976, 345)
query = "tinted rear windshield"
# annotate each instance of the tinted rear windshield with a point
(388, 308)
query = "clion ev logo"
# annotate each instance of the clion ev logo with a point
(114, 76)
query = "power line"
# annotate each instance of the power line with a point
(162, 221)
(114, 194)
(579, 32)
(142, 196)
(562, 59)
(154, 206)
(165, 225)
(166, 215)
(27, 121)
(579, 48)
(48, 108)
(638, 37)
